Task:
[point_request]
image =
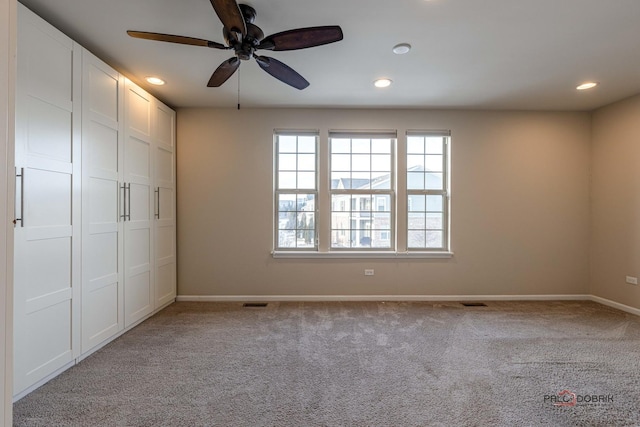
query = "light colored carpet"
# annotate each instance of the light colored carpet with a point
(355, 364)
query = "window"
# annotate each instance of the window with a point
(427, 196)
(296, 190)
(344, 197)
(362, 171)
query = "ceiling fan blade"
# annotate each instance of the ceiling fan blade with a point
(302, 38)
(223, 72)
(176, 39)
(229, 13)
(282, 72)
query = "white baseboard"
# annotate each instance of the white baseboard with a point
(616, 305)
(441, 298)
(319, 298)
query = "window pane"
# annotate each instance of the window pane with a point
(339, 239)
(286, 180)
(381, 221)
(340, 162)
(415, 162)
(383, 204)
(286, 239)
(416, 239)
(416, 221)
(363, 203)
(364, 238)
(341, 203)
(361, 162)
(381, 163)
(415, 145)
(337, 180)
(296, 221)
(360, 181)
(287, 143)
(340, 221)
(306, 180)
(417, 203)
(307, 162)
(305, 230)
(434, 181)
(306, 144)
(361, 145)
(381, 181)
(363, 226)
(415, 181)
(287, 162)
(433, 163)
(381, 146)
(381, 239)
(340, 145)
(434, 221)
(434, 203)
(295, 170)
(434, 145)
(434, 239)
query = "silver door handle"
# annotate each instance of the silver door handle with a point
(129, 201)
(123, 187)
(21, 218)
(158, 203)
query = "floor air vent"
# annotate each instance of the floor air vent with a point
(473, 304)
(255, 304)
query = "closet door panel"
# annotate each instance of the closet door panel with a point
(54, 269)
(103, 155)
(165, 205)
(49, 342)
(138, 195)
(49, 131)
(137, 159)
(102, 283)
(47, 236)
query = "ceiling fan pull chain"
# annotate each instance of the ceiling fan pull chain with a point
(238, 89)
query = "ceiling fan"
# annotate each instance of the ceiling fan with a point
(244, 38)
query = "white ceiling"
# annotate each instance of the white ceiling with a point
(490, 54)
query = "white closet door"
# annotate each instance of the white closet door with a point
(165, 209)
(138, 204)
(47, 267)
(102, 241)
(7, 103)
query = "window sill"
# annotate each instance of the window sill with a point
(360, 255)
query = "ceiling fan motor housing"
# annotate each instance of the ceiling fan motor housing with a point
(246, 47)
(248, 13)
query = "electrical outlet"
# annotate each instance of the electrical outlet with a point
(368, 272)
(632, 280)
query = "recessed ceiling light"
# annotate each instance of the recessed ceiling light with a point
(401, 49)
(382, 83)
(587, 85)
(155, 80)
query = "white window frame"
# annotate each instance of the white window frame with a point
(294, 191)
(444, 192)
(399, 203)
(373, 193)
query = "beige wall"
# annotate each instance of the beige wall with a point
(615, 242)
(520, 206)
